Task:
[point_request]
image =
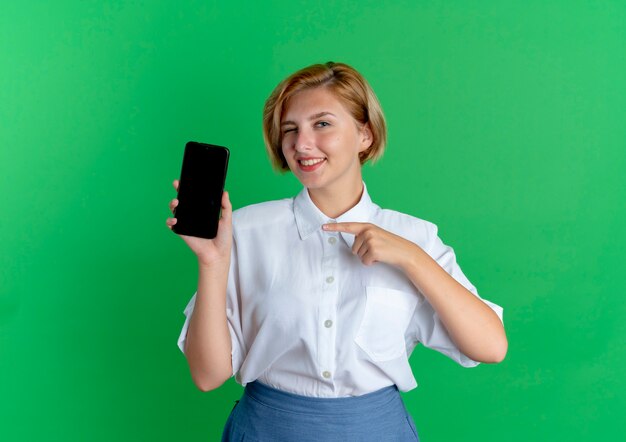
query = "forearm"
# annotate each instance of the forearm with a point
(208, 347)
(473, 326)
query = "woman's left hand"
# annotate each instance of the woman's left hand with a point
(473, 325)
(373, 244)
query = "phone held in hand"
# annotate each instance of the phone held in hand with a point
(200, 190)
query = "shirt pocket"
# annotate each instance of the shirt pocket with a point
(387, 315)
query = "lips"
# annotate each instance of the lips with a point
(310, 164)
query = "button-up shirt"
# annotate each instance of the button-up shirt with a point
(306, 316)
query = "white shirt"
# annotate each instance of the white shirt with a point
(307, 317)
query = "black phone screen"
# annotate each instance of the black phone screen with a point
(200, 189)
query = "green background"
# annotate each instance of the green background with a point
(507, 128)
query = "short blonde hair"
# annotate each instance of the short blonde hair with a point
(347, 85)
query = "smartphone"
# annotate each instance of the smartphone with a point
(200, 189)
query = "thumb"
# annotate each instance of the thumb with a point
(227, 208)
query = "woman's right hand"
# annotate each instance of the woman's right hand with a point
(210, 251)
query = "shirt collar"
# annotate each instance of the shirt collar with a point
(310, 219)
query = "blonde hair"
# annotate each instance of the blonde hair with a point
(347, 85)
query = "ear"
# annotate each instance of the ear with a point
(367, 138)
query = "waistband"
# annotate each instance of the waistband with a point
(286, 401)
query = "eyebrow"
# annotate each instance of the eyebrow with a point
(312, 117)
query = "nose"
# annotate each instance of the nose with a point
(303, 141)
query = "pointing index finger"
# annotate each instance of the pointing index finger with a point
(353, 228)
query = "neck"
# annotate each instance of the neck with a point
(334, 203)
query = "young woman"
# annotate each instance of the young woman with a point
(315, 303)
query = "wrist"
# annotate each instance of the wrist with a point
(214, 265)
(413, 259)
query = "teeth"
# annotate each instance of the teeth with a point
(311, 162)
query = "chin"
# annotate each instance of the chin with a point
(310, 182)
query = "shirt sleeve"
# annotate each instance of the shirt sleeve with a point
(431, 331)
(233, 315)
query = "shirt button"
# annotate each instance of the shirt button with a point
(328, 323)
(330, 279)
(332, 240)
(326, 374)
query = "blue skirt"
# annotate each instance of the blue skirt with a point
(267, 414)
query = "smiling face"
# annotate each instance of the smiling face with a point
(321, 141)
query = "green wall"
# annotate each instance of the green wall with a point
(507, 128)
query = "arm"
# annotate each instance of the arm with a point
(474, 327)
(208, 345)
